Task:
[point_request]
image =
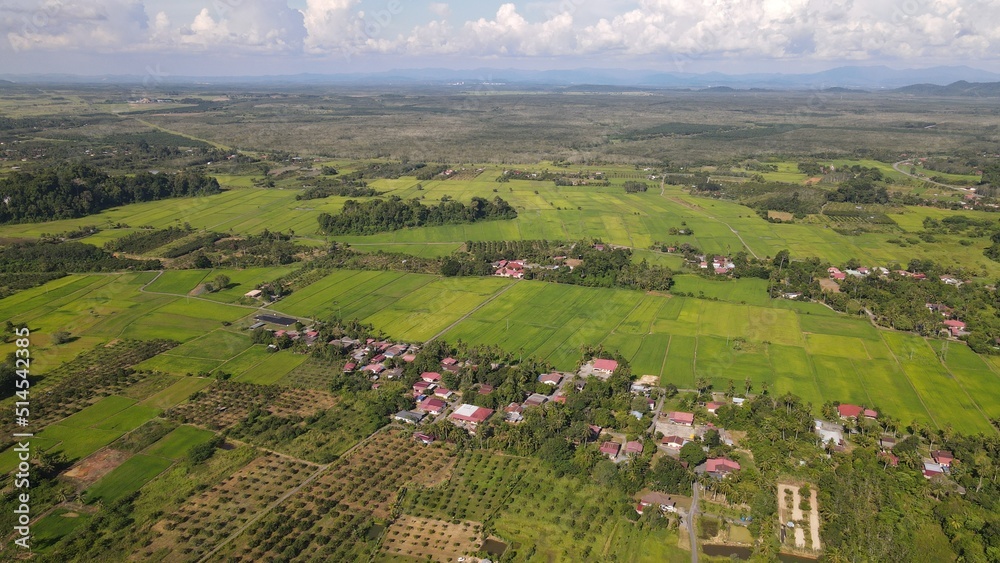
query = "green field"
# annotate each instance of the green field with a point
(126, 478)
(545, 212)
(176, 444)
(792, 347)
(54, 526)
(271, 369)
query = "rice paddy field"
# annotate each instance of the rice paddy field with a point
(729, 331)
(545, 212)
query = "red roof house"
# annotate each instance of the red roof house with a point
(449, 362)
(685, 418)
(608, 366)
(944, 457)
(721, 466)
(443, 393)
(955, 327)
(485, 389)
(713, 406)
(675, 442)
(550, 378)
(471, 414)
(633, 447)
(432, 405)
(349, 366)
(892, 459)
(611, 448)
(852, 411)
(421, 387)
(430, 376)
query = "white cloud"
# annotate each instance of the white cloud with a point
(439, 9)
(264, 26)
(72, 24)
(624, 30)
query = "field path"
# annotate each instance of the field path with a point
(814, 520)
(476, 308)
(735, 232)
(179, 134)
(897, 168)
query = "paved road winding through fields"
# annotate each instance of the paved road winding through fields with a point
(690, 524)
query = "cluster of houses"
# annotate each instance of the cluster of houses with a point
(721, 265)
(433, 400)
(954, 326)
(833, 434)
(373, 354)
(509, 269)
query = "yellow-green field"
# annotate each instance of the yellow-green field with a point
(803, 348)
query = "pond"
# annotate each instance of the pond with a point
(374, 532)
(494, 547)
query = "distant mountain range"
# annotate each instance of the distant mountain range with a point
(941, 80)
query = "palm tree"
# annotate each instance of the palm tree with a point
(747, 384)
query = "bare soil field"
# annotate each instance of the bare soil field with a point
(427, 539)
(91, 469)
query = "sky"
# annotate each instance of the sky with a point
(275, 37)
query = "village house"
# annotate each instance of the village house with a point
(674, 442)
(955, 327)
(932, 469)
(253, 293)
(513, 412)
(470, 416)
(850, 412)
(535, 400)
(611, 449)
(510, 269)
(432, 406)
(943, 457)
(605, 367)
(633, 448)
(829, 432)
(408, 417)
(713, 406)
(720, 467)
(552, 379)
(421, 388)
(485, 389)
(430, 376)
(664, 502)
(889, 458)
(423, 438)
(683, 418)
(443, 393)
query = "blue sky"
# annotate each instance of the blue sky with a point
(241, 37)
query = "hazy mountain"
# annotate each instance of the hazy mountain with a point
(960, 88)
(850, 77)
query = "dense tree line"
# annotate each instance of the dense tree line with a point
(393, 170)
(632, 187)
(140, 242)
(23, 257)
(79, 189)
(394, 213)
(345, 189)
